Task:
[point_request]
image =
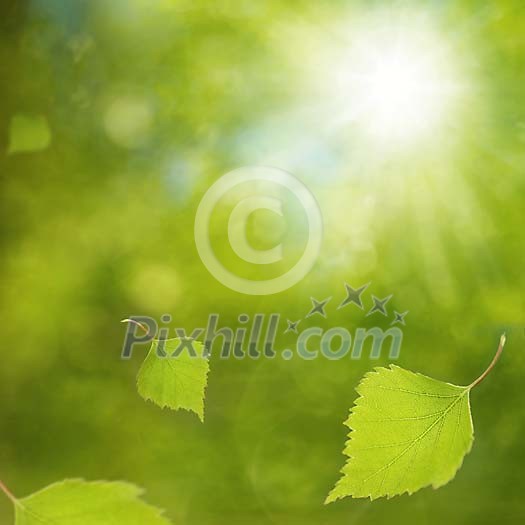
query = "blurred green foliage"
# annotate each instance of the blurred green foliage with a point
(148, 103)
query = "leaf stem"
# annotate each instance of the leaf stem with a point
(502, 340)
(7, 492)
(140, 325)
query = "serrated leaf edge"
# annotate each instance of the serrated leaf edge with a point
(366, 377)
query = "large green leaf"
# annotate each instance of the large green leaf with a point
(174, 379)
(77, 502)
(407, 431)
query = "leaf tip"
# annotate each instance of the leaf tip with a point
(330, 498)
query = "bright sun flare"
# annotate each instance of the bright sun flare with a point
(396, 85)
(400, 94)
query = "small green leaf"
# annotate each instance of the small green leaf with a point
(28, 133)
(175, 381)
(77, 502)
(407, 431)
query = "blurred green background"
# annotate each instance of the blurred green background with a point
(116, 118)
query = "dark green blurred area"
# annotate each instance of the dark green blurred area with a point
(147, 104)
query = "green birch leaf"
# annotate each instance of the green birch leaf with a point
(77, 502)
(407, 431)
(176, 380)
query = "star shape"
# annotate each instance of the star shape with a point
(379, 305)
(399, 318)
(318, 307)
(292, 326)
(353, 295)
